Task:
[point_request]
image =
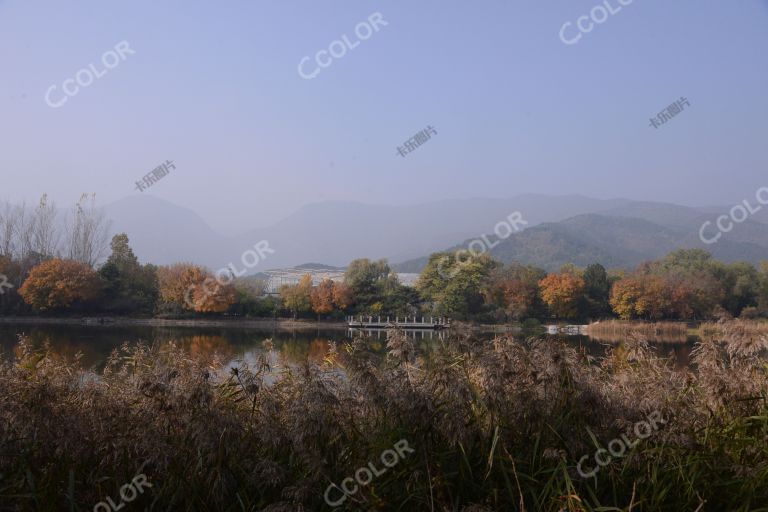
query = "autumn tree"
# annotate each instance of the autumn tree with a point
(624, 296)
(173, 283)
(322, 297)
(563, 293)
(515, 290)
(686, 284)
(194, 288)
(210, 295)
(653, 303)
(343, 296)
(58, 284)
(298, 297)
(329, 296)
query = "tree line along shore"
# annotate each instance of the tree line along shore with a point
(44, 272)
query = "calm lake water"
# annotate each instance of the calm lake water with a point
(234, 344)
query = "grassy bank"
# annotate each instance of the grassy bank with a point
(500, 425)
(613, 330)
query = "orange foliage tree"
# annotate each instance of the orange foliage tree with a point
(173, 282)
(562, 293)
(194, 288)
(514, 289)
(57, 284)
(343, 296)
(322, 297)
(330, 295)
(624, 295)
(653, 297)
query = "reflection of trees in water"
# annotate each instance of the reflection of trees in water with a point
(299, 351)
(58, 347)
(207, 346)
(318, 349)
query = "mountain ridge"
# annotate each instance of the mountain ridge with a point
(335, 232)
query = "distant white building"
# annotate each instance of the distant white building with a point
(408, 278)
(291, 276)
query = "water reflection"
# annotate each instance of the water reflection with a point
(230, 345)
(416, 334)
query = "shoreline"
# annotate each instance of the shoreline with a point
(280, 323)
(235, 323)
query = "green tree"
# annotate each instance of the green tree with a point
(597, 289)
(365, 278)
(762, 293)
(377, 290)
(130, 287)
(454, 285)
(741, 286)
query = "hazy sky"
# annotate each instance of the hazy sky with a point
(215, 87)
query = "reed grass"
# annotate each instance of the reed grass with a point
(617, 330)
(753, 327)
(495, 425)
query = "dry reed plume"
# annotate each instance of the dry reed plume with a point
(612, 330)
(495, 426)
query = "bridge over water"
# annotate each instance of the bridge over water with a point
(407, 322)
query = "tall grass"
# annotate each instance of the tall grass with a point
(495, 426)
(613, 330)
(753, 327)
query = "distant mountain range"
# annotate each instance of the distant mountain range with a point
(616, 232)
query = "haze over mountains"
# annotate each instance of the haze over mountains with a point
(615, 232)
